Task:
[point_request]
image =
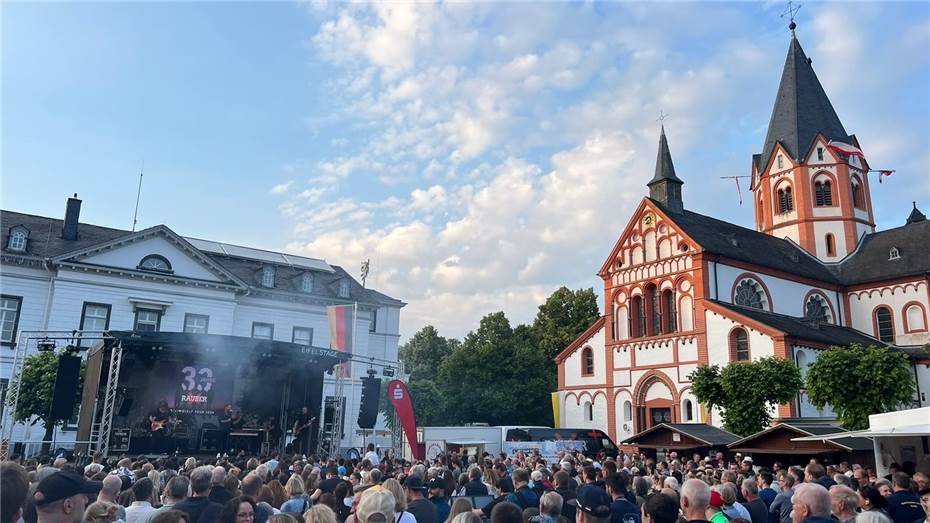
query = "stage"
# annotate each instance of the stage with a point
(196, 375)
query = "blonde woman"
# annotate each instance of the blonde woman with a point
(460, 506)
(490, 481)
(320, 514)
(298, 502)
(400, 501)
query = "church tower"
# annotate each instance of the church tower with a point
(804, 188)
(665, 187)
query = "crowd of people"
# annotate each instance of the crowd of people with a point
(524, 488)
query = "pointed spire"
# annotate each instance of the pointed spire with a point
(802, 109)
(665, 186)
(916, 216)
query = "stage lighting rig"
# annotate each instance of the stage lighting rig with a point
(388, 372)
(45, 345)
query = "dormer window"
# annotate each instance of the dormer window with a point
(344, 288)
(306, 282)
(894, 254)
(268, 276)
(17, 240)
(154, 262)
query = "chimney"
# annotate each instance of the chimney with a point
(69, 230)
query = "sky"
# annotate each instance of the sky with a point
(480, 154)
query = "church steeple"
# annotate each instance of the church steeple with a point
(802, 109)
(665, 187)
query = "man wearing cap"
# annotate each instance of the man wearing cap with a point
(437, 496)
(593, 505)
(62, 497)
(421, 508)
(375, 506)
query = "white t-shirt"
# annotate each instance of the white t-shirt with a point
(373, 458)
(404, 517)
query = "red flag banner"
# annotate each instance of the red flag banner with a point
(883, 172)
(341, 333)
(845, 149)
(403, 405)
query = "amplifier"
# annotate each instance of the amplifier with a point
(210, 439)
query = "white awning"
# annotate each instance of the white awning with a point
(889, 432)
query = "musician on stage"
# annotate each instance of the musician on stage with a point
(230, 420)
(302, 430)
(161, 425)
(273, 432)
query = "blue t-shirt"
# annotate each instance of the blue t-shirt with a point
(622, 511)
(442, 507)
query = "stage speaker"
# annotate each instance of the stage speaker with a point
(66, 384)
(125, 404)
(368, 408)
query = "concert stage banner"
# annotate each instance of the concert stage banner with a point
(403, 405)
(342, 333)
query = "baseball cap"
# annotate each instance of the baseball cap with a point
(716, 500)
(592, 500)
(414, 483)
(63, 485)
(436, 483)
(747, 459)
(376, 506)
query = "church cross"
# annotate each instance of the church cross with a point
(790, 11)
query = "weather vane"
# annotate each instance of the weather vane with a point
(365, 268)
(791, 10)
(662, 117)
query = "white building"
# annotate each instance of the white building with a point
(64, 275)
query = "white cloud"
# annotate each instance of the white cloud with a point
(282, 188)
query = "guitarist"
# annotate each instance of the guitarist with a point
(302, 429)
(160, 425)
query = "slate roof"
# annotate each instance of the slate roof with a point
(825, 333)
(870, 261)
(709, 434)
(916, 215)
(801, 110)
(665, 169)
(45, 242)
(739, 243)
(804, 429)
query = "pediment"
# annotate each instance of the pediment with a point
(650, 235)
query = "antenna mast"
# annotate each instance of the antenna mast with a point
(135, 214)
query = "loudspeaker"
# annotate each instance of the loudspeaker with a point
(368, 408)
(66, 384)
(125, 404)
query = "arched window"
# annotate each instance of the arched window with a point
(154, 262)
(857, 195)
(653, 310)
(588, 411)
(306, 282)
(823, 194)
(915, 318)
(17, 240)
(739, 345)
(749, 293)
(817, 310)
(344, 288)
(587, 362)
(637, 317)
(268, 276)
(884, 324)
(894, 254)
(802, 364)
(669, 312)
(687, 410)
(785, 200)
(627, 411)
(831, 244)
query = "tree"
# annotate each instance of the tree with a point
(857, 381)
(422, 355)
(37, 387)
(746, 391)
(564, 316)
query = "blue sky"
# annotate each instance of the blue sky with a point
(481, 154)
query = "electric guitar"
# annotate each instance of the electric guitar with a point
(167, 425)
(298, 431)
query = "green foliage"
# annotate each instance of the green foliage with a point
(564, 315)
(746, 391)
(37, 389)
(857, 381)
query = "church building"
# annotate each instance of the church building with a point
(682, 289)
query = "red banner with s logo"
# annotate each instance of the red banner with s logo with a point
(403, 405)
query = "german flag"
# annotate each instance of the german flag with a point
(341, 332)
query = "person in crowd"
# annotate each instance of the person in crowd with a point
(924, 494)
(400, 501)
(100, 512)
(921, 481)
(62, 497)
(177, 489)
(437, 495)
(240, 509)
(715, 512)
(758, 512)
(844, 502)
(592, 504)
(871, 499)
(811, 504)
(109, 492)
(298, 502)
(884, 487)
(506, 512)
(904, 505)
(780, 509)
(815, 472)
(141, 508)
(252, 488)
(621, 510)
(550, 508)
(659, 508)
(732, 507)
(872, 516)
(14, 487)
(474, 486)
(218, 492)
(319, 514)
(460, 505)
(522, 496)
(171, 516)
(376, 506)
(766, 492)
(466, 517)
(694, 500)
(564, 486)
(640, 490)
(198, 506)
(372, 456)
(421, 508)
